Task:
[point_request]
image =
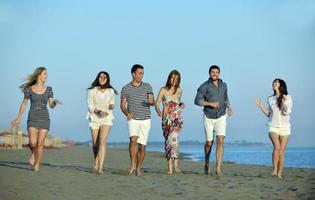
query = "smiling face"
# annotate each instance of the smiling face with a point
(43, 76)
(102, 79)
(137, 76)
(275, 85)
(214, 74)
(174, 80)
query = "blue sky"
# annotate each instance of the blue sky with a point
(253, 42)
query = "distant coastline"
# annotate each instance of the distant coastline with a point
(236, 143)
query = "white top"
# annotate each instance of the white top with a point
(101, 101)
(278, 117)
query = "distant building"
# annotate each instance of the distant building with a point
(16, 139)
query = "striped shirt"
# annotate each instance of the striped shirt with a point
(137, 100)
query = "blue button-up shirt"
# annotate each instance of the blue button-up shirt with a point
(211, 93)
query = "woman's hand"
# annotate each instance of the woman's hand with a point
(100, 113)
(103, 113)
(54, 103)
(159, 113)
(284, 98)
(229, 112)
(57, 101)
(15, 122)
(259, 103)
(111, 106)
(261, 107)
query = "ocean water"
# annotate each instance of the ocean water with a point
(260, 155)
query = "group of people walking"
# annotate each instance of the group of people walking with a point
(136, 98)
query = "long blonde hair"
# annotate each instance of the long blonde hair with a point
(32, 78)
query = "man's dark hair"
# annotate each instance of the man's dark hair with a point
(214, 67)
(135, 67)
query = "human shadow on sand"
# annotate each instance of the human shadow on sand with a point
(88, 169)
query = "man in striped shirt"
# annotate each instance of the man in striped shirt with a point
(136, 99)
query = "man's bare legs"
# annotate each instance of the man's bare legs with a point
(132, 153)
(219, 154)
(140, 156)
(207, 150)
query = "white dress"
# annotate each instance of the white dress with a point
(101, 101)
(278, 117)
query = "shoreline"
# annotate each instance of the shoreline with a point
(66, 173)
(182, 156)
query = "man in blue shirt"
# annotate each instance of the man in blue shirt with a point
(212, 96)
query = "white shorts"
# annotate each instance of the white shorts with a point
(281, 131)
(140, 128)
(214, 125)
(96, 122)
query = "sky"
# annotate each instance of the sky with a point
(253, 42)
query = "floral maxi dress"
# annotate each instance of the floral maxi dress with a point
(172, 122)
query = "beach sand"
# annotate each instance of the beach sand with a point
(66, 174)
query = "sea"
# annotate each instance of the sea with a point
(297, 157)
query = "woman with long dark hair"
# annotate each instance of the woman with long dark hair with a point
(38, 122)
(278, 112)
(172, 120)
(101, 102)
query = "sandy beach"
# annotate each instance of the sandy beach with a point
(66, 174)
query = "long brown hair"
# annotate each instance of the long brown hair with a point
(31, 79)
(282, 90)
(168, 84)
(96, 82)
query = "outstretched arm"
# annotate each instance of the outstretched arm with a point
(53, 102)
(17, 120)
(264, 110)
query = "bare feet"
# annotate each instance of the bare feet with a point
(219, 172)
(177, 171)
(100, 172)
(131, 170)
(207, 170)
(176, 167)
(31, 160)
(279, 175)
(139, 173)
(95, 168)
(36, 168)
(274, 173)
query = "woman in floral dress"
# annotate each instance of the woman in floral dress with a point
(172, 120)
